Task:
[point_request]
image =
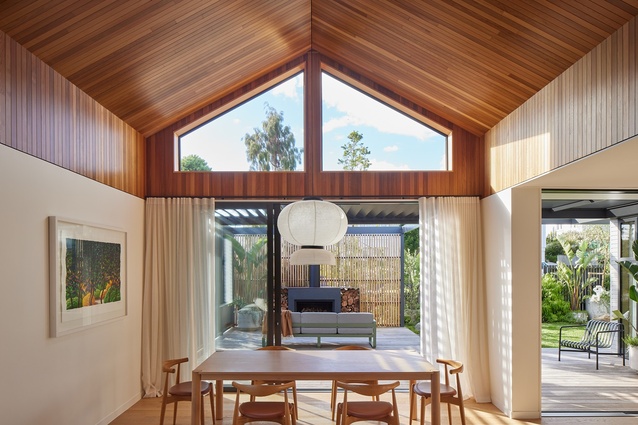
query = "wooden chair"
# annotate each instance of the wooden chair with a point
(182, 391)
(376, 410)
(294, 384)
(282, 412)
(449, 394)
(333, 395)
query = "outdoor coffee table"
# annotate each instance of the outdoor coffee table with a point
(322, 365)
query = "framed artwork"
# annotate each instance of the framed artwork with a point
(87, 275)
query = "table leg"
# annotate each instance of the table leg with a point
(219, 400)
(436, 398)
(196, 399)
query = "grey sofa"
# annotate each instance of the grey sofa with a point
(335, 325)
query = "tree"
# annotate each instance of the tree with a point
(573, 274)
(411, 241)
(194, 163)
(272, 148)
(355, 154)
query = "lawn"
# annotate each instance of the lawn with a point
(549, 334)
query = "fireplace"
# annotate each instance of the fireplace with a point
(314, 305)
(314, 299)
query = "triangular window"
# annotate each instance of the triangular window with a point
(361, 133)
(264, 133)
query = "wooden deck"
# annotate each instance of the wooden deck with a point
(574, 384)
(571, 386)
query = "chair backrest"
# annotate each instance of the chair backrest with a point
(168, 367)
(263, 390)
(452, 368)
(368, 389)
(605, 339)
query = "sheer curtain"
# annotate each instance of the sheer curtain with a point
(178, 301)
(453, 304)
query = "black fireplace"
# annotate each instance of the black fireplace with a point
(314, 305)
(314, 299)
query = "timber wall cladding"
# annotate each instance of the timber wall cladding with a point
(46, 116)
(466, 178)
(591, 106)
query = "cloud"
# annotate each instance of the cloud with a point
(392, 148)
(378, 165)
(289, 88)
(358, 109)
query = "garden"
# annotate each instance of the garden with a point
(575, 282)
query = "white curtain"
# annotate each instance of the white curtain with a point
(178, 299)
(453, 304)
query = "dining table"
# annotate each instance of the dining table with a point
(328, 365)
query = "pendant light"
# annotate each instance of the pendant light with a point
(313, 224)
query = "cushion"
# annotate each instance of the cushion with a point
(355, 318)
(295, 316)
(319, 317)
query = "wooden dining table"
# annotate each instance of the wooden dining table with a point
(321, 365)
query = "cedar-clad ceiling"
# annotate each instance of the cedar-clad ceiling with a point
(153, 62)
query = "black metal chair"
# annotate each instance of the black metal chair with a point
(598, 334)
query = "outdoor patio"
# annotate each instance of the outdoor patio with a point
(574, 384)
(571, 386)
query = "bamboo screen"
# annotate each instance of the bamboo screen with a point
(371, 263)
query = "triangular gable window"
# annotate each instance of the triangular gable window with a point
(360, 133)
(265, 133)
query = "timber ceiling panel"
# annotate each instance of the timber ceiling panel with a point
(153, 62)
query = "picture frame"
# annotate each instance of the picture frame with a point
(88, 284)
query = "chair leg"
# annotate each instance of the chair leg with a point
(422, 410)
(201, 405)
(462, 411)
(333, 400)
(174, 413)
(412, 396)
(294, 398)
(449, 413)
(559, 351)
(163, 412)
(212, 404)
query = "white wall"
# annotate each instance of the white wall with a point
(497, 237)
(88, 377)
(511, 225)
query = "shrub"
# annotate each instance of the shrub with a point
(554, 307)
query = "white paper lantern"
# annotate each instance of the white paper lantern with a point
(312, 224)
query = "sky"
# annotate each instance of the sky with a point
(395, 141)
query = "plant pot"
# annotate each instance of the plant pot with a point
(597, 310)
(633, 357)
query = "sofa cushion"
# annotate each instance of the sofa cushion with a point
(319, 317)
(355, 318)
(295, 316)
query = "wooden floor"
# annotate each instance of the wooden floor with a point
(573, 391)
(314, 409)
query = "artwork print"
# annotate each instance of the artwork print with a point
(88, 284)
(93, 271)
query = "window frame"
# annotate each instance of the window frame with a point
(228, 106)
(389, 103)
